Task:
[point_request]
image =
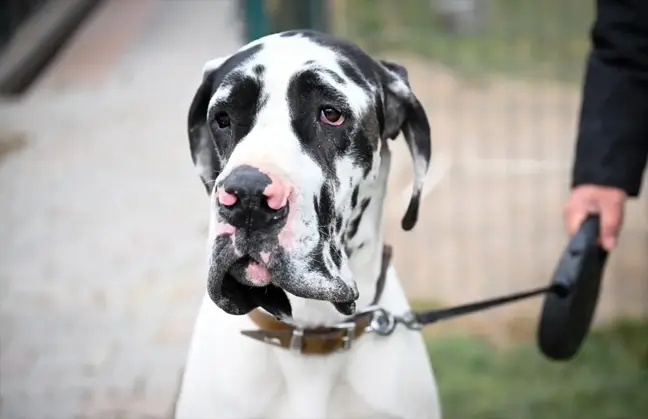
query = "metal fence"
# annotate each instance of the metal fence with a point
(500, 81)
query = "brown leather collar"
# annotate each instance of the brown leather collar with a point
(322, 340)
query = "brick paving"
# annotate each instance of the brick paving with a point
(103, 219)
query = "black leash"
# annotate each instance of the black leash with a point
(433, 316)
(384, 322)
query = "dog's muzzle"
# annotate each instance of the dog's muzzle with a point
(250, 266)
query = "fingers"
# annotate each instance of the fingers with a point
(607, 202)
(611, 214)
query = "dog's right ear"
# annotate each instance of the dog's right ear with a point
(201, 143)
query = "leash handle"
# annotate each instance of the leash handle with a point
(574, 256)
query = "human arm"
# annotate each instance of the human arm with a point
(612, 143)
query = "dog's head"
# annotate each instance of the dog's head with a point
(283, 133)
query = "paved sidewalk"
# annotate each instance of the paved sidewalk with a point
(103, 219)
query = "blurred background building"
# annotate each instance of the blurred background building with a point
(103, 219)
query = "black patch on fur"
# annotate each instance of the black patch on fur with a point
(290, 34)
(201, 143)
(316, 262)
(361, 151)
(380, 112)
(324, 208)
(336, 256)
(325, 212)
(355, 76)
(259, 69)
(335, 76)
(242, 105)
(307, 95)
(354, 197)
(363, 69)
(338, 224)
(355, 223)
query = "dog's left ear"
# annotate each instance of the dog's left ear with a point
(402, 111)
(201, 143)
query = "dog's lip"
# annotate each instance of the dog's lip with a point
(278, 277)
(231, 289)
(249, 271)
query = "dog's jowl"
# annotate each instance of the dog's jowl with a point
(290, 136)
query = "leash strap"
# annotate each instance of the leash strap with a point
(432, 316)
(384, 323)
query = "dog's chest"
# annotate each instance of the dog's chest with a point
(313, 385)
(308, 401)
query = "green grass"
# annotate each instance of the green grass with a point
(528, 38)
(608, 379)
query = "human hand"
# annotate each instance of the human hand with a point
(608, 202)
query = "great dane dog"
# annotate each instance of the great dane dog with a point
(291, 135)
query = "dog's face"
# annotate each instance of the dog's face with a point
(284, 133)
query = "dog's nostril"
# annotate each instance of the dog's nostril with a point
(266, 205)
(227, 198)
(276, 214)
(276, 194)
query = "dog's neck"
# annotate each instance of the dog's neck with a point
(364, 249)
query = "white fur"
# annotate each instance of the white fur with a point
(230, 376)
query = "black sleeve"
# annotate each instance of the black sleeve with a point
(612, 143)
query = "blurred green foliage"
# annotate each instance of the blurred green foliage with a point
(529, 38)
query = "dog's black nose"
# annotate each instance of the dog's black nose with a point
(252, 199)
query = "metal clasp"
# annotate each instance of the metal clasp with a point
(384, 323)
(409, 320)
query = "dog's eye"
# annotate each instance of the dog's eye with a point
(222, 119)
(331, 116)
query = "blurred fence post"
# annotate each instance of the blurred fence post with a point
(262, 17)
(255, 20)
(301, 14)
